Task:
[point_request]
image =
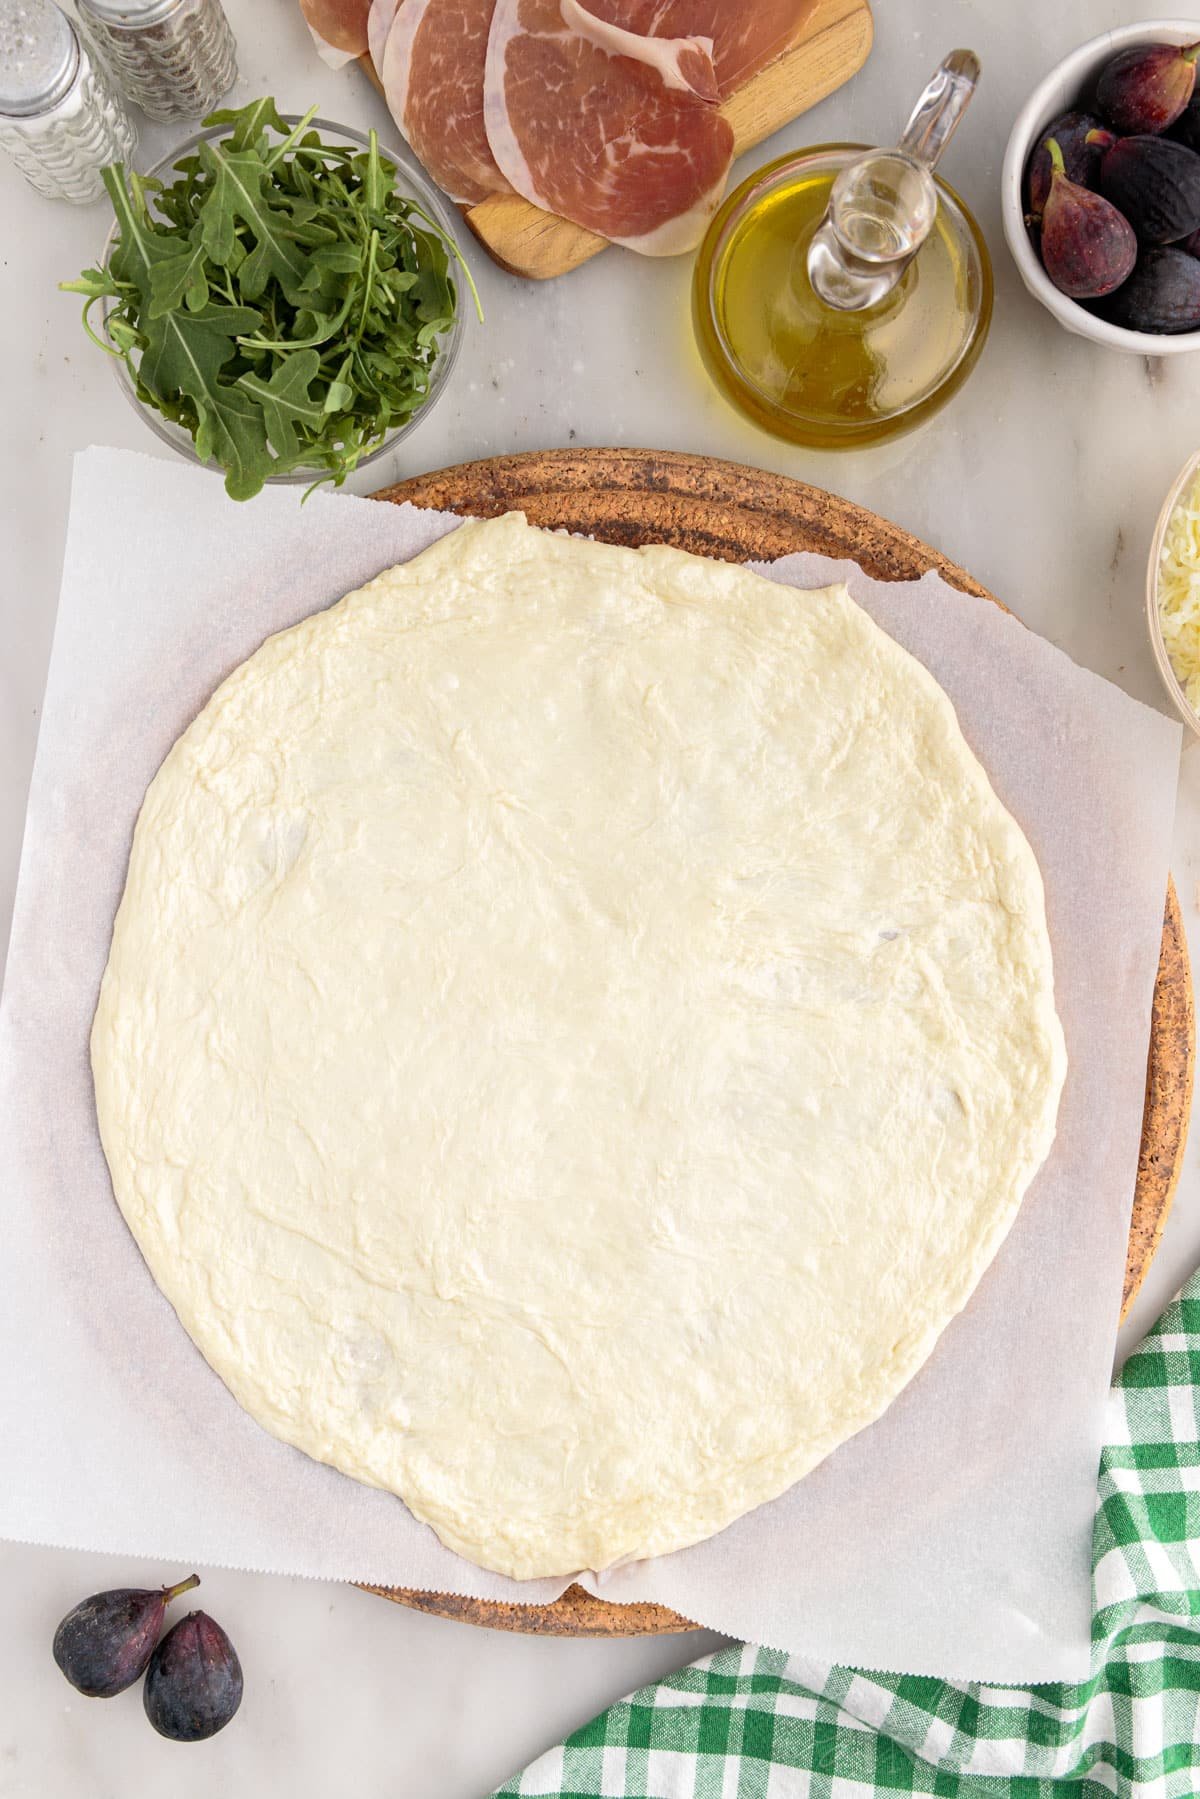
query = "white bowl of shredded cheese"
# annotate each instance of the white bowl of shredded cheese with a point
(1173, 593)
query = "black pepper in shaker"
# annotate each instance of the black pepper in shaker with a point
(175, 58)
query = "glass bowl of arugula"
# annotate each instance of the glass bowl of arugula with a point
(282, 299)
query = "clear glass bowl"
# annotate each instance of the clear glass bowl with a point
(1180, 487)
(414, 185)
(833, 380)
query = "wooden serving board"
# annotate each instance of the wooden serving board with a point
(831, 45)
(741, 514)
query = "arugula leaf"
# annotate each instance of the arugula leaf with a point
(286, 404)
(184, 354)
(280, 298)
(140, 245)
(247, 122)
(375, 181)
(237, 193)
(179, 278)
(185, 351)
(340, 396)
(233, 434)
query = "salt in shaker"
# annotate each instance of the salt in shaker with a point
(176, 58)
(60, 119)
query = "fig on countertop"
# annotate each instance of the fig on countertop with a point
(1087, 247)
(1186, 129)
(194, 1681)
(1155, 182)
(1145, 88)
(1162, 295)
(1083, 140)
(104, 1644)
(1190, 244)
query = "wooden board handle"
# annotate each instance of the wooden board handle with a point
(833, 44)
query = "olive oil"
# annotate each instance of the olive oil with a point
(810, 373)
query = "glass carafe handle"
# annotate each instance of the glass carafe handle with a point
(936, 116)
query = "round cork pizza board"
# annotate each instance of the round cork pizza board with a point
(741, 514)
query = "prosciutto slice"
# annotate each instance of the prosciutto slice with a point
(617, 130)
(380, 20)
(432, 73)
(339, 26)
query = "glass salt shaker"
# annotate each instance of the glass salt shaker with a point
(60, 119)
(176, 58)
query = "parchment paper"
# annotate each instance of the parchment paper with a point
(951, 1538)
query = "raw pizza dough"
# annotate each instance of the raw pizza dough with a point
(578, 1026)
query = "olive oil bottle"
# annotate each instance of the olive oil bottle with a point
(808, 372)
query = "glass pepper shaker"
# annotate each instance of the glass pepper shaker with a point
(60, 119)
(176, 58)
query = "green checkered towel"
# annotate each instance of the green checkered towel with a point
(752, 1723)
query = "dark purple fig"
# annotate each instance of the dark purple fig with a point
(1190, 245)
(1162, 295)
(194, 1681)
(1156, 184)
(1186, 129)
(1083, 140)
(104, 1644)
(1087, 248)
(1146, 87)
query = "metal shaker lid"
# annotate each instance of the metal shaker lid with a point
(39, 57)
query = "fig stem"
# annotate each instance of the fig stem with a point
(1054, 151)
(185, 1586)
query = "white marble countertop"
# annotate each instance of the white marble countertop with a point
(1044, 478)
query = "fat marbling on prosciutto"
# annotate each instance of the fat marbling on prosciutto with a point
(746, 34)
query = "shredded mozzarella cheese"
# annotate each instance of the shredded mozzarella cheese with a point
(1179, 592)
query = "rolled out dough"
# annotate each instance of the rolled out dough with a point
(578, 1026)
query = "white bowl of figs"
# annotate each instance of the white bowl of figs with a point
(1101, 189)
